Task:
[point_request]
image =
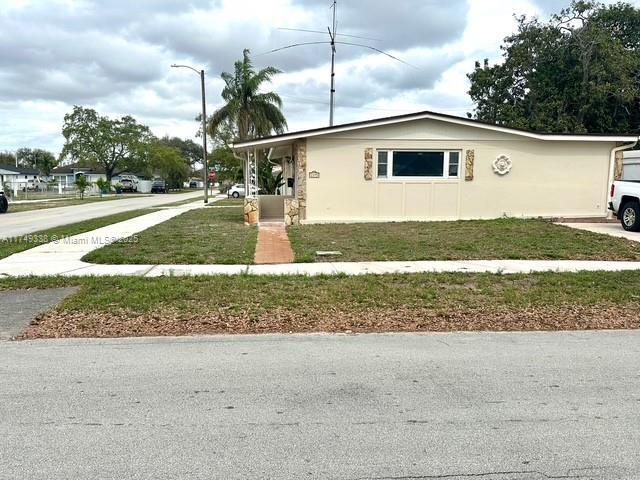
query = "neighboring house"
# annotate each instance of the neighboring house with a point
(430, 166)
(19, 178)
(631, 165)
(66, 175)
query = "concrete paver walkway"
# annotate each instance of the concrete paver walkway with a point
(273, 244)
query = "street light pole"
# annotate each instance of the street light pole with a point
(205, 168)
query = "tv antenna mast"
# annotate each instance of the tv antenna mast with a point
(333, 41)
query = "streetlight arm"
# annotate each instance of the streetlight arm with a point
(185, 66)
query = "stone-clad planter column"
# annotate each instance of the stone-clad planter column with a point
(251, 211)
(300, 156)
(291, 211)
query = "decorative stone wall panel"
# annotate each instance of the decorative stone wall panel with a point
(300, 154)
(618, 171)
(368, 164)
(468, 165)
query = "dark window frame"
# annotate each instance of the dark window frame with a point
(446, 164)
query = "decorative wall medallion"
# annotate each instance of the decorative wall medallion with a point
(314, 174)
(502, 165)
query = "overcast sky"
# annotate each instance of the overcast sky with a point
(114, 55)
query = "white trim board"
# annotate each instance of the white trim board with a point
(433, 116)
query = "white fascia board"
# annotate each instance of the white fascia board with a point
(457, 121)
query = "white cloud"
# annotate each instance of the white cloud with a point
(115, 56)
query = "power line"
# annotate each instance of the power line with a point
(333, 41)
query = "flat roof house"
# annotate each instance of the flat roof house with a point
(12, 177)
(430, 166)
(66, 175)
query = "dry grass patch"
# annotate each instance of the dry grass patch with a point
(123, 306)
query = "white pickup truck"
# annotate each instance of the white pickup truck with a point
(625, 203)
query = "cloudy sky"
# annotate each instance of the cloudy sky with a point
(115, 56)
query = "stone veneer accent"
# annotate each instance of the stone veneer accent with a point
(251, 211)
(619, 166)
(291, 211)
(468, 165)
(300, 156)
(368, 164)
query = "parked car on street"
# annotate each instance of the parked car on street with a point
(4, 203)
(128, 185)
(237, 191)
(625, 203)
(158, 185)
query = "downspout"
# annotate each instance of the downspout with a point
(612, 170)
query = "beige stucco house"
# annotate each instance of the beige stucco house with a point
(429, 166)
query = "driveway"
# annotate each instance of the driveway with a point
(613, 229)
(517, 406)
(21, 223)
(19, 307)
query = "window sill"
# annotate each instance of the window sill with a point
(418, 179)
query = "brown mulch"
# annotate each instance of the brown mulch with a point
(59, 324)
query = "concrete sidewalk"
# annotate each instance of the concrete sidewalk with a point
(22, 223)
(64, 258)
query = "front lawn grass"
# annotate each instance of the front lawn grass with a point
(9, 246)
(131, 306)
(505, 238)
(202, 236)
(229, 202)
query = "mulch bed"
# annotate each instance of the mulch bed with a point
(60, 324)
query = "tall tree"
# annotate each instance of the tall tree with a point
(7, 158)
(578, 72)
(250, 112)
(190, 151)
(169, 163)
(117, 145)
(36, 158)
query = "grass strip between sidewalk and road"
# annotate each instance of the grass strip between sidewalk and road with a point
(133, 306)
(202, 236)
(501, 239)
(9, 246)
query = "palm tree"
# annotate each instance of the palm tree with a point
(252, 113)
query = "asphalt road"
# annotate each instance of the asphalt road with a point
(455, 406)
(21, 223)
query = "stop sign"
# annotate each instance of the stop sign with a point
(213, 175)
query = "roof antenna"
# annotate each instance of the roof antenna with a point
(333, 34)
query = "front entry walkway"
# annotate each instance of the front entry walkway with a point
(273, 244)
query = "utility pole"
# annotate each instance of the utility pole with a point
(205, 168)
(333, 41)
(332, 35)
(204, 140)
